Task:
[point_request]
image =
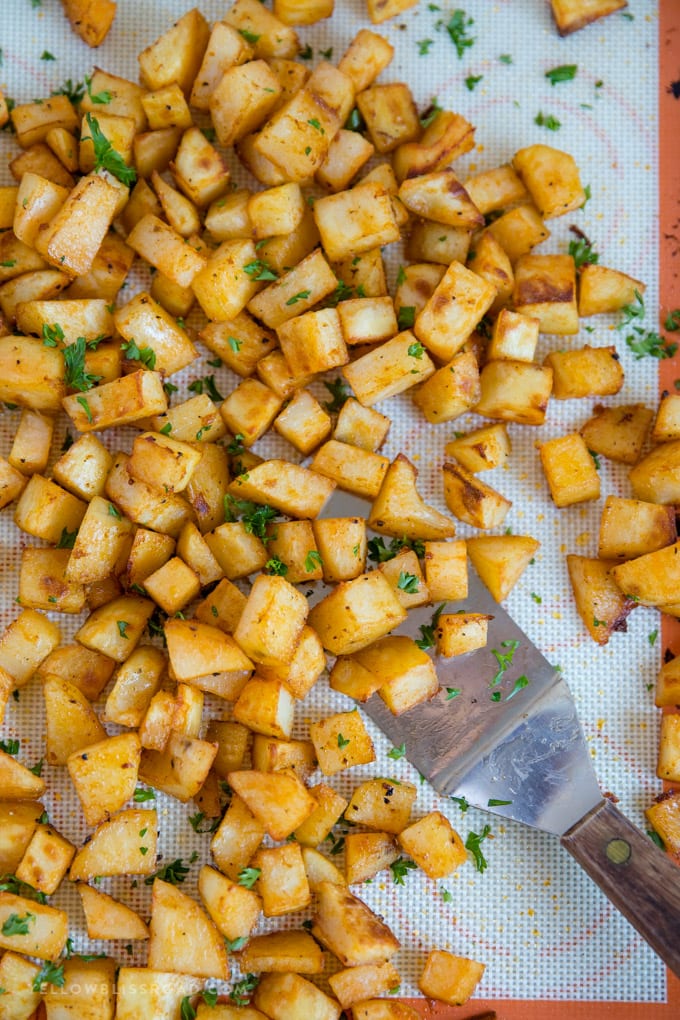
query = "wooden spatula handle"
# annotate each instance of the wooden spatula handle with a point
(640, 880)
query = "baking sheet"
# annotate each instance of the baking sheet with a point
(544, 931)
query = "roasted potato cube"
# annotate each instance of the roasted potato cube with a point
(668, 763)
(17, 975)
(481, 449)
(406, 577)
(434, 845)
(631, 527)
(368, 853)
(355, 221)
(329, 806)
(31, 374)
(266, 706)
(382, 804)
(139, 989)
(408, 673)
(341, 545)
(358, 983)
(601, 289)
(570, 470)
(588, 372)
(71, 721)
(390, 114)
(657, 476)
(237, 838)
(166, 250)
(458, 633)
(226, 48)
(272, 620)
(282, 882)
(242, 100)
(290, 488)
(296, 138)
(552, 179)
(106, 918)
(233, 908)
(398, 509)
(303, 286)
(355, 470)
(446, 570)
(176, 55)
(291, 997)
(45, 934)
(500, 560)
(545, 288)
(450, 978)
(600, 602)
(456, 306)
(282, 952)
(114, 847)
(618, 432)
(25, 643)
(471, 500)
(356, 613)
(451, 391)
(46, 860)
(570, 15)
(366, 56)
(664, 817)
(43, 582)
(515, 391)
(196, 947)
(105, 775)
(341, 741)
(350, 929)
(274, 38)
(279, 800)
(388, 369)
(313, 342)
(519, 231)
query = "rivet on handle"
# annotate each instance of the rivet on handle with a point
(618, 851)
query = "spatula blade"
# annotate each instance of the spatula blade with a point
(488, 738)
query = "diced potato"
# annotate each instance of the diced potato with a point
(18, 782)
(237, 838)
(457, 305)
(290, 488)
(451, 391)
(600, 603)
(656, 478)
(32, 440)
(177, 54)
(398, 509)
(458, 633)
(406, 577)
(47, 927)
(391, 116)
(367, 854)
(71, 722)
(668, 763)
(164, 248)
(18, 821)
(282, 952)
(408, 673)
(88, 990)
(355, 221)
(160, 993)
(341, 741)
(279, 800)
(31, 374)
(319, 869)
(471, 500)
(271, 754)
(356, 613)
(282, 882)
(291, 997)
(434, 845)
(388, 369)
(500, 560)
(106, 918)
(182, 938)
(116, 627)
(142, 321)
(274, 38)
(570, 470)
(450, 978)
(588, 372)
(383, 1009)
(17, 975)
(664, 817)
(329, 807)
(266, 706)
(667, 691)
(89, 671)
(515, 391)
(481, 449)
(181, 768)
(631, 527)
(618, 432)
(357, 983)
(25, 643)
(234, 909)
(367, 55)
(601, 289)
(105, 775)
(46, 860)
(552, 179)
(519, 231)
(350, 929)
(570, 15)
(382, 804)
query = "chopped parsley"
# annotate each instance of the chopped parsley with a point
(400, 868)
(242, 991)
(195, 821)
(650, 343)
(313, 560)
(424, 46)
(427, 639)
(472, 81)
(339, 394)
(254, 516)
(247, 877)
(175, 872)
(547, 120)
(258, 269)
(632, 311)
(67, 539)
(473, 844)
(342, 741)
(140, 795)
(74, 364)
(408, 583)
(15, 924)
(276, 566)
(10, 746)
(300, 296)
(406, 317)
(381, 553)
(86, 408)
(397, 752)
(105, 156)
(122, 628)
(458, 27)
(49, 974)
(146, 355)
(206, 385)
(98, 98)
(563, 72)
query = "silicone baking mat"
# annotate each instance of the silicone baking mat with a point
(553, 945)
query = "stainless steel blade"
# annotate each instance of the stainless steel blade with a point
(526, 749)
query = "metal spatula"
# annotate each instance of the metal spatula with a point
(527, 748)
